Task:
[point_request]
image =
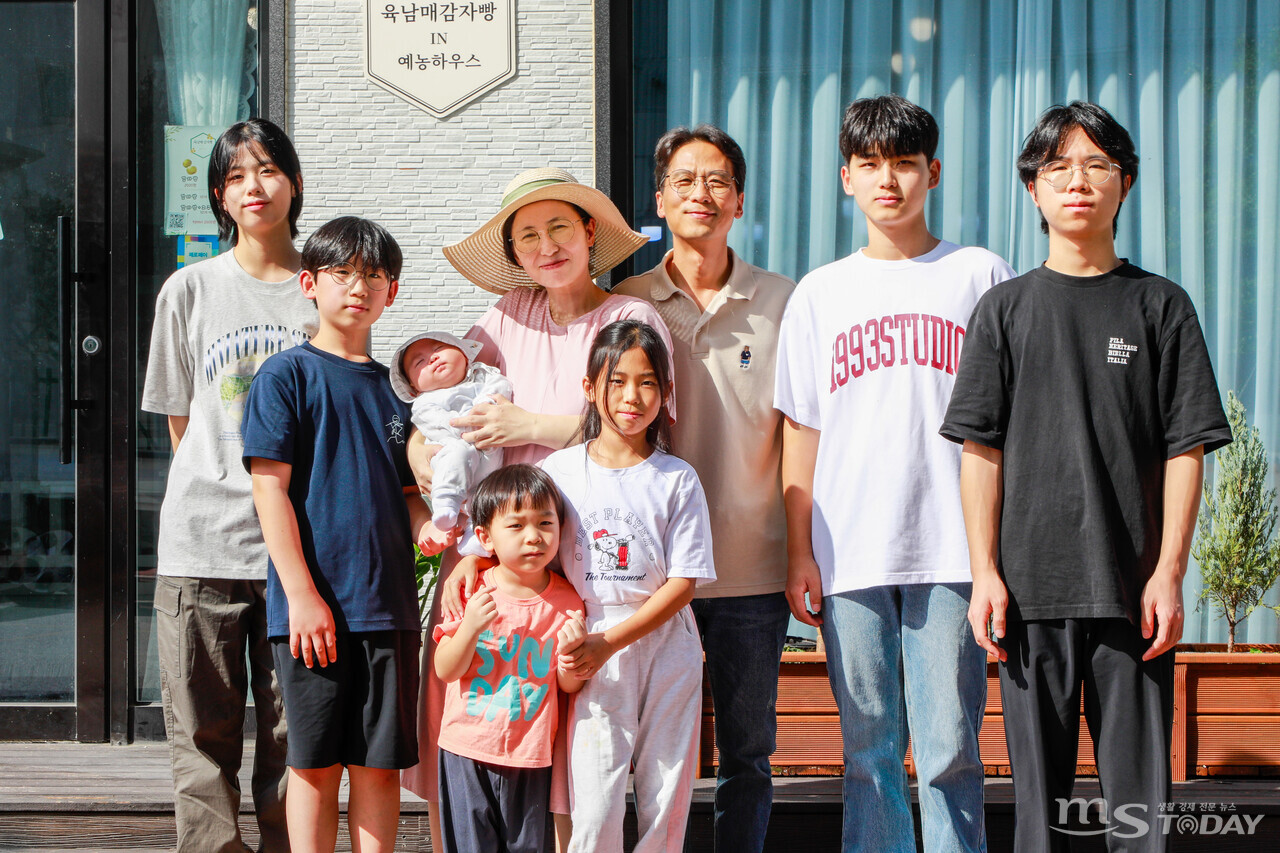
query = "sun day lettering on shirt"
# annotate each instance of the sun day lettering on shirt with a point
(517, 695)
(611, 539)
(1118, 352)
(894, 340)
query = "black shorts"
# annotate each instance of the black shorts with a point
(360, 709)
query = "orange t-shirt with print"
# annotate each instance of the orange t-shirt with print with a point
(504, 709)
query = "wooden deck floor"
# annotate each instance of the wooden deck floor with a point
(97, 797)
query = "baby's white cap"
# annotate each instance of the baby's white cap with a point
(401, 384)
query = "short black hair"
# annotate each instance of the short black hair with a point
(516, 486)
(1054, 126)
(351, 239)
(265, 141)
(887, 126)
(678, 137)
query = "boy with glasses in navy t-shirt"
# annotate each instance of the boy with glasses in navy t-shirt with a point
(324, 438)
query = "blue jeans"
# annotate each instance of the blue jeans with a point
(743, 637)
(899, 658)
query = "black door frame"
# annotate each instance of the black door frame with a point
(86, 718)
(117, 604)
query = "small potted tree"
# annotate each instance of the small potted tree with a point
(1227, 705)
(1238, 559)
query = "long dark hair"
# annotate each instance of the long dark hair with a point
(613, 341)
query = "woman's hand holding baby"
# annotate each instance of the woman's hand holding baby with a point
(498, 424)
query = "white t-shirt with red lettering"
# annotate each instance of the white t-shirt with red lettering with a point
(867, 355)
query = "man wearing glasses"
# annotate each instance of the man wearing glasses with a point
(723, 315)
(1086, 402)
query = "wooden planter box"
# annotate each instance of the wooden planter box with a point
(1226, 711)
(1226, 717)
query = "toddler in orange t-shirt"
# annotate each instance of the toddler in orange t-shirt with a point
(500, 664)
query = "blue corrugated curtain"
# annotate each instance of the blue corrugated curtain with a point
(1197, 83)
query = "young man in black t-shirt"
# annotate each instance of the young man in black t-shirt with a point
(1086, 402)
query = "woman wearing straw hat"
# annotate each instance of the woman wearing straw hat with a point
(541, 252)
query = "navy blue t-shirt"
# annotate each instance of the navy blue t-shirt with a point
(343, 430)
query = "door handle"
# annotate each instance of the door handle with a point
(66, 346)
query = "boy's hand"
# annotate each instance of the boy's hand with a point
(312, 633)
(804, 576)
(432, 540)
(588, 657)
(988, 604)
(480, 613)
(460, 585)
(1162, 613)
(570, 636)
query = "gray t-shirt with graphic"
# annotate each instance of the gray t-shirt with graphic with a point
(215, 325)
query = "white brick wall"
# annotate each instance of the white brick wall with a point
(431, 181)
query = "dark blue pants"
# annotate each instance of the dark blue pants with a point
(487, 807)
(743, 638)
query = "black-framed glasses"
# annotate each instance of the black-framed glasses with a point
(683, 183)
(559, 230)
(346, 275)
(1096, 170)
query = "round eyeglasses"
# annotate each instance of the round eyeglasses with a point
(346, 275)
(1096, 170)
(559, 230)
(683, 183)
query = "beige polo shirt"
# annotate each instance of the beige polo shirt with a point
(728, 429)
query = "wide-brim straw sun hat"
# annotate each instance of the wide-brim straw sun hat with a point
(482, 258)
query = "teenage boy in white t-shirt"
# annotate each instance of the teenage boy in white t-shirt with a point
(867, 357)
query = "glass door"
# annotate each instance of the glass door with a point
(196, 65)
(47, 331)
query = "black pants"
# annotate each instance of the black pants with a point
(1128, 705)
(494, 809)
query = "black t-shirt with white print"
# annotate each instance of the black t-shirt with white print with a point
(1087, 385)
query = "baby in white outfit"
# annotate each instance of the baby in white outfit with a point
(438, 374)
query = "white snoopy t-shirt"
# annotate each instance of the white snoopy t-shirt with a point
(627, 530)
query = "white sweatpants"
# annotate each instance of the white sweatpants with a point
(643, 707)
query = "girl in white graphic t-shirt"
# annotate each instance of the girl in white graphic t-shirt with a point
(636, 541)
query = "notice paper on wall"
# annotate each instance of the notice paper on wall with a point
(186, 177)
